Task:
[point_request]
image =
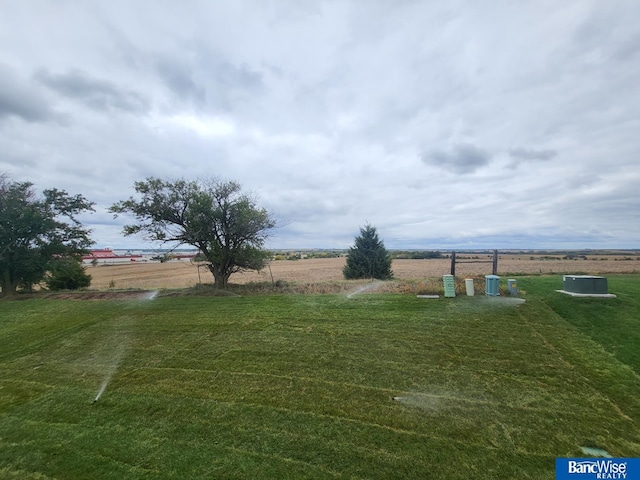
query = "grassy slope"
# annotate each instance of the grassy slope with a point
(612, 323)
(301, 386)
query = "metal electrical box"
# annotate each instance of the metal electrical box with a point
(512, 286)
(449, 286)
(468, 283)
(492, 285)
(585, 284)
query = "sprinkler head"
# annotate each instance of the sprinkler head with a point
(94, 401)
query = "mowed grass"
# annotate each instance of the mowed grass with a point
(302, 386)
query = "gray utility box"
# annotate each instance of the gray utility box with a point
(585, 284)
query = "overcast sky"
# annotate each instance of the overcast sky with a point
(457, 124)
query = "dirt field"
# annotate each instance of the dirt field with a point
(184, 274)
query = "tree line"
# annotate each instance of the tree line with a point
(43, 240)
(39, 234)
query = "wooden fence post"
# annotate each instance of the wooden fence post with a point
(495, 262)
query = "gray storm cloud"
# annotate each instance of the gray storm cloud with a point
(20, 99)
(95, 93)
(526, 154)
(462, 158)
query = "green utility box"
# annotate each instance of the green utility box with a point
(492, 285)
(449, 286)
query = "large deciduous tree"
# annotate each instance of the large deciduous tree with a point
(36, 230)
(368, 258)
(226, 225)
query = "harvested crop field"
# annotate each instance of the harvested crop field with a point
(181, 274)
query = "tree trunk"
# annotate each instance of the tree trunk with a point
(220, 281)
(9, 288)
(220, 276)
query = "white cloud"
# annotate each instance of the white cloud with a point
(205, 126)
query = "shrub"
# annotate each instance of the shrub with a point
(67, 274)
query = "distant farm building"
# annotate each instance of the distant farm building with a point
(108, 256)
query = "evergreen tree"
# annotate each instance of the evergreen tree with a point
(368, 258)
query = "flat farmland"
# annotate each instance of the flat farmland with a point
(180, 274)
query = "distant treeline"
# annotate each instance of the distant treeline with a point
(299, 255)
(574, 253)
(462, 254)
(395, 254)
(415, 254)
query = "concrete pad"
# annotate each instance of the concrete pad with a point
(594, 295)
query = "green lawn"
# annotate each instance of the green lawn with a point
(301, 386)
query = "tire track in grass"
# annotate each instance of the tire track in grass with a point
(461, 398)
(289, 460)
(360, 434)
(358, 419)
(339, 420)
(579, 336)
